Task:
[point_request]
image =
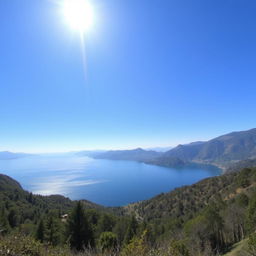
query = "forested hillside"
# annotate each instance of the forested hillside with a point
(207, 218)
(223, 151)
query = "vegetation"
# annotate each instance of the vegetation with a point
(207, 218)
(225, 151)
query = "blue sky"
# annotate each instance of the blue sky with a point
(158, 73)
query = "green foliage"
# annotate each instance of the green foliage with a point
(242, 179)
(242, 200)
(106, 223)
(137, 246)
(18, 245)
(251, 214)
(178, 248)
(202, 219)
(108, 241)
(13, 218)
(40, 232)
(252, 244)
(131, 230)
(4, 223)
(78, 229)
(52, 235)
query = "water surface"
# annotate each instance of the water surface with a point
(106, 182)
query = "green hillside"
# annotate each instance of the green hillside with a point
(207, 218)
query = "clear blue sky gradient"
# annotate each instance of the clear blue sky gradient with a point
(158, 73)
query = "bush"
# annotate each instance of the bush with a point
(26, 246)
(108, 241)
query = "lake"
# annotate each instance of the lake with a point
(106, 182)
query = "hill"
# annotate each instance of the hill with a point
(221, 151)
(9, 184)
(138, 154)
(27, 203)
(247, 163)
(207, 218)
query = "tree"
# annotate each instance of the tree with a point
(13, 218)
(53, 230)
(78, 229)
(252, 244)
(4, 223)
(106, 223)
(132, 229)
(242, 178)
(136, 247)
(40, 232)
(178, 248)
(251, 214)
(206, 230)
(121, 229)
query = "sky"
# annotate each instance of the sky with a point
(156, 73)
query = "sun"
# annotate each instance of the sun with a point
(79, 14)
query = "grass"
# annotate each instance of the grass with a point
(238, 249)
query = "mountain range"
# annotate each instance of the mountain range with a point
(225, 152)
(5, 155)
(222, 151)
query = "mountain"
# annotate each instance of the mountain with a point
(222, 150)
(138, 154)
(5, 155)
(160, 149)
(7, 183)
(89, 153)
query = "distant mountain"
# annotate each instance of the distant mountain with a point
(222, 150)
(160, 149)
(89, 153)
(5, 155)
(138, 154)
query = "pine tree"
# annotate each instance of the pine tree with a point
(78, 229)
(132, 229)
(12, 218)
(53, 230)
(4, 223)
(40, 232)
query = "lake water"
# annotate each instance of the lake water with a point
(106, 182)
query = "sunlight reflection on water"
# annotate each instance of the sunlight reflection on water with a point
(106, 182)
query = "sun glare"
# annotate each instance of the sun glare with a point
(79, 14)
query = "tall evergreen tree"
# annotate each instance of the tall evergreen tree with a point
(13, 218)
(132, 229)
(78, 229)
(53, 230)
(4, 223)
(40, 232)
